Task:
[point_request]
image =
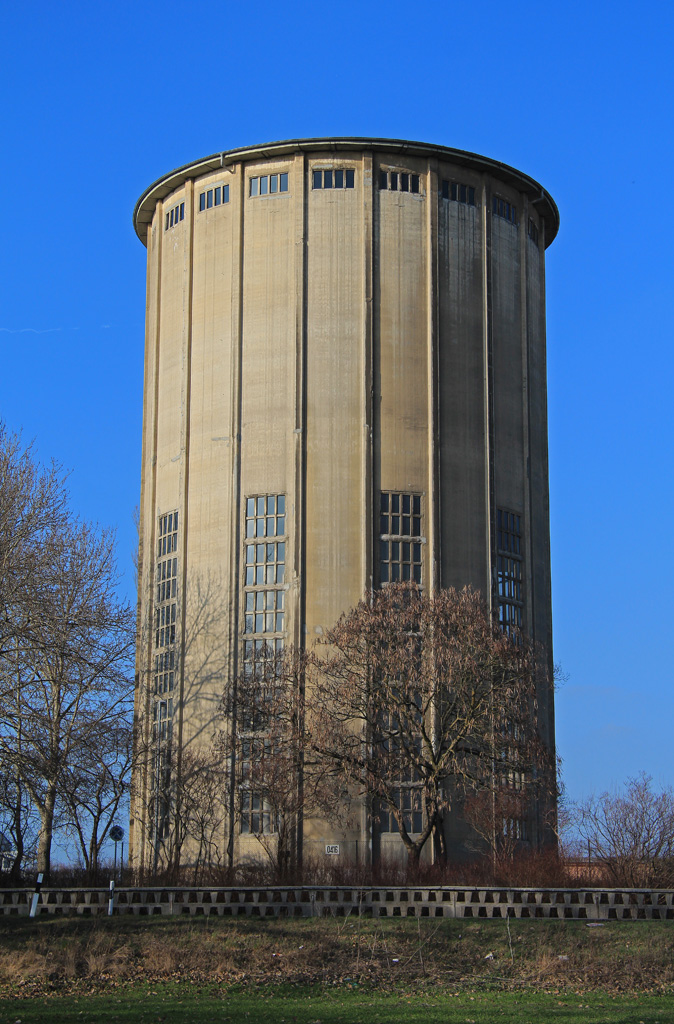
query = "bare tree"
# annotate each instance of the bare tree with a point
(96, 780)
(276, 784)
(181, 786)
(500, 813)
(416, 699)
(186, 816)
(631, 833)
(65, 639)
(499, 816)
(18, 822)
(204, 782)
(74, 664)
(33, 504)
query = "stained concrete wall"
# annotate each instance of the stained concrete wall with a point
(327, 344)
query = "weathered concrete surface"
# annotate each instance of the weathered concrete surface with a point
(329, 344)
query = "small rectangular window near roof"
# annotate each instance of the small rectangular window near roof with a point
(404, 182)
(167, 222)
(202, 201)
(273, 182)
(317, 179)
(225, 193)
(217, 196)
(327, 179)
(339, 179)
(349, 178)
(383, 179)
(415, 184)
(209, 199)
(182, 211)
(394, 181)
(283, 182)
(264, 184)
(254, 186)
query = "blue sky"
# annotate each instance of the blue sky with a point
(101, 99)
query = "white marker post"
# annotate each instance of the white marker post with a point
(111, 901)
(36, 896)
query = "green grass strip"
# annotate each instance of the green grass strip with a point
(179, 1003)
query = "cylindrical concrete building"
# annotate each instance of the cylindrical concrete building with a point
(345, 384)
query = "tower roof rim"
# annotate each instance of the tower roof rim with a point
(167, 183)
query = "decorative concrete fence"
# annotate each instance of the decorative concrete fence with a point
(341, 901)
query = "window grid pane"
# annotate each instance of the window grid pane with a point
(509, 570)
(458, 192)
(256, 814)
(337, 178)
(166, 604)
(164, 671)
(400, 538)
(403, 181)
(407, 800)
(502, 208)
(264, 578)
(267, 184)
(174, 215)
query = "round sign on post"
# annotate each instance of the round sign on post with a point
(117, 836)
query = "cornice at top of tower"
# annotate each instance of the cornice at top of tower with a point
(168, 183)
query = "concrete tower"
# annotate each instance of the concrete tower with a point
(345, 383)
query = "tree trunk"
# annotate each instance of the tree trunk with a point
(439, 842)
(93, 857)
(413, 855)
(15, 870)
(46, 833)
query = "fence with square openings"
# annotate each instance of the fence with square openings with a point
(342, 901)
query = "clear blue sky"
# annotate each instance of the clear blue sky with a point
(101, 99)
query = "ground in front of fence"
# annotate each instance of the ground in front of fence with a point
(48, 957)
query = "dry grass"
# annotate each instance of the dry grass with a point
(564, 956)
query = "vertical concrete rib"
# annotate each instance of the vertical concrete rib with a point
(148, 508)
(368, 513)
(300, 399)
(236, 397)
(300, 430)
(434, 511)
(544, 539)
(528, 623)
(375, 326)
(488, 393)
(185, 460)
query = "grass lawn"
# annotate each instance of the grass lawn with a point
(182, 1004)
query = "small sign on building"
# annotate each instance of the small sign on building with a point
(332, 849)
